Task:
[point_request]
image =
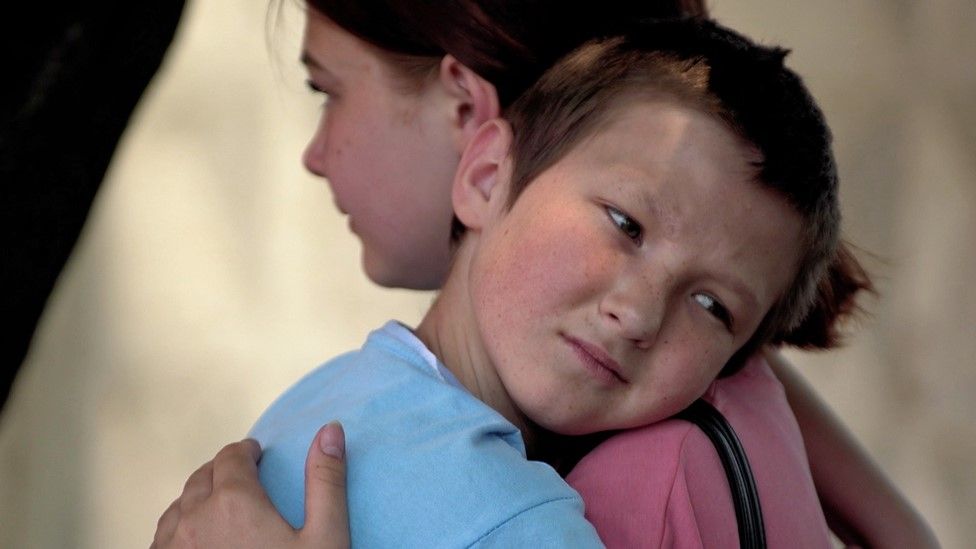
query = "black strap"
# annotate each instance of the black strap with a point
(745, 498)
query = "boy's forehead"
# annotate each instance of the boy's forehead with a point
(660, 134)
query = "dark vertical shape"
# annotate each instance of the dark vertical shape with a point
(73, 74)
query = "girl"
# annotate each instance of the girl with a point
(408, 86)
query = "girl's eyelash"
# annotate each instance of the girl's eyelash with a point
(316, 90)
(715, 308)
(313, 87)
(626, 224)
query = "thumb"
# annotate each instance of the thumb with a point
(326, 515)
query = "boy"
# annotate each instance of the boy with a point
(660, 204)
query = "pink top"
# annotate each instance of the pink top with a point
(663, 485)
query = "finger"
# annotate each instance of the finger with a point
(166, 525)
(326, 514)
(198, 487)
(236, 464)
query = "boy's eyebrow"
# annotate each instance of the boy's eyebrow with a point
(669, 220)
(741, 289)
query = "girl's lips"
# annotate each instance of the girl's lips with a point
(597, 360)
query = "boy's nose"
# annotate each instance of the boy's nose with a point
(635, 308)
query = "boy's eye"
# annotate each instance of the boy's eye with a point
(626, 224)
(716, 309)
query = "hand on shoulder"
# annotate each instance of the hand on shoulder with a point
(224, 505)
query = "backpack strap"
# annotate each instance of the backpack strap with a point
(745, 497)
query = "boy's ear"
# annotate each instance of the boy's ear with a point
(480, 178)
(475, 99)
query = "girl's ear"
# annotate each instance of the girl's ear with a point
(482, 173)
(475, 99)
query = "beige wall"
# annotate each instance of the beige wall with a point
(214, 272)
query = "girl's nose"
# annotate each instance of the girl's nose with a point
(313, 158)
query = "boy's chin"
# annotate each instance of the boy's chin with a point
(563, 427)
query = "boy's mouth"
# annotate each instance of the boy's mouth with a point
(596, 360)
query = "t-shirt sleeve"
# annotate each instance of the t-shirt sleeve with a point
(557, 523)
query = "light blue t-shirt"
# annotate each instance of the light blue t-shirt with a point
(429, 465)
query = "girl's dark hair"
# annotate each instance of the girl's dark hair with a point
(509, 43)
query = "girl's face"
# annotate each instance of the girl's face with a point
(624, 277)
(388, 155)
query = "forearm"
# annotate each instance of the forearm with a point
(862, 505)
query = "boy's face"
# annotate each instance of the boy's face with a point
(625, 276)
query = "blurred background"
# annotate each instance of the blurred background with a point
(213, 272)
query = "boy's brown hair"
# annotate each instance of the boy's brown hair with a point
(702, 65)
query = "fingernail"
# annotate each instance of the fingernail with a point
(331, 440)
